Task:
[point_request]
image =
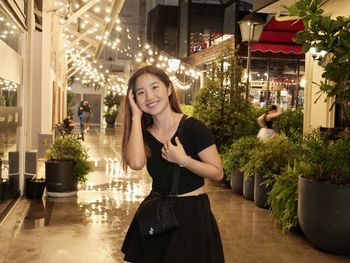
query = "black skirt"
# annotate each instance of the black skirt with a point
(196, 240)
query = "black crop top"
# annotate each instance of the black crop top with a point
(196, 137)
(268, 123)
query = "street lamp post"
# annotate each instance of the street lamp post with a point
(251, 27)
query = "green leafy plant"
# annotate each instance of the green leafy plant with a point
(67, 148)
(329, 160)
(283, 197)
(112, 102)
(238, 153)
(271, 157)
(220, 104)
(290, 123)
(332, 36)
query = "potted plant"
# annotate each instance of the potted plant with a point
(324, 192)
(268, 158)
(326, 189)
(112, 102)
(220, 104)
(283, 197)
(66, 165)
(235, 157)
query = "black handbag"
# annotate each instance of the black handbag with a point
(156, 216)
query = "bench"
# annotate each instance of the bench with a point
(76, 132)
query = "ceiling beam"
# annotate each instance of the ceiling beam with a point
(96, 18)
(81, 51)
(73, 73)
(117, 6)
(84, 37)
(80, 12)
(76, 40)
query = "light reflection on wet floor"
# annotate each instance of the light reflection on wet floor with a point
(91, 226)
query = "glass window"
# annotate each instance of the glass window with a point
(278, 81)
(9, 32)
(8, 93)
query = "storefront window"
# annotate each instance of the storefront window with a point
(10, 111)
(8, 93)
(9, 32)
(277, 81)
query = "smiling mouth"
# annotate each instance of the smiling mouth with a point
(152, 104)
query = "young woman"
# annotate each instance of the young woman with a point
(152, 116)
(265, 122)
(87, 113)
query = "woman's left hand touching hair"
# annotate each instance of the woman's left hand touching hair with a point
(175, 153)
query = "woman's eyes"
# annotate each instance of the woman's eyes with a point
(141, 92)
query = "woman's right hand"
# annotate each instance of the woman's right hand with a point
(136, 111)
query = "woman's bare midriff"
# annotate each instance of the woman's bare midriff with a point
(198, 191)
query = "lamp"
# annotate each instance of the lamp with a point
(322, 56)
(251, 27)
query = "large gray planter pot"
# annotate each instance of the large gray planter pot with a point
(248, 188)
(260, 191)
(60, 181)
(324, 215)
(236, 181)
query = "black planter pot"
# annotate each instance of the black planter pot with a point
(324, 215)
(248, 188)
(260, 191)
(60, 181)
(110, 120)
(34, 188)
(237, 181)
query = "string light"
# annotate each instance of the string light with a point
(91, 70)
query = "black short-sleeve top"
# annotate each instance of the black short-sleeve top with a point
(195, 138)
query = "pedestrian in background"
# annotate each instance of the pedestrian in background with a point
(87, 113)
(265, 122)
(80, 115)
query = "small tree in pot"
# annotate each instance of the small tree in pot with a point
(66, 165)
(220, 104)
(112, 102)
(324, 194)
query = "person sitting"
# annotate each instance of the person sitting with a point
(68, 124)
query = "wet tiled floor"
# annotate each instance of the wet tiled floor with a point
(91, 227)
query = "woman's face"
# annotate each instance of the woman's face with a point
(152, 96)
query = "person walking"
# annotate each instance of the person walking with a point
(80, 114)
(87, 113)
(265, 122)
(151, 138)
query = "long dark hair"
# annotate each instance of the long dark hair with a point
(271, 108)
(146, 120)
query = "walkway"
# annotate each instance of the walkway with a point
(90, 228)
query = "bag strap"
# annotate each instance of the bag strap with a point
(176, 174)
